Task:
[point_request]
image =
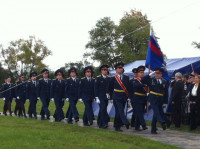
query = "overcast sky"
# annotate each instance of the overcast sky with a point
(63, 25)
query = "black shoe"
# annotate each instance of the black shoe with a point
(35, 117)
(42, 118)
(138, 129)
(127, 126)
(154, 132)
(48, 117)
(69, 122)
(90, 123)
(25, 116)
(15, 113)
(104, 127)
(30, 116)
(76, 120)
(5, 113)
(86, 124)
(163, 126)
(118, 129)
(144, 127)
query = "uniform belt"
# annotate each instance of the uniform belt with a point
(116, 90)
(158, 94)
(140, 94)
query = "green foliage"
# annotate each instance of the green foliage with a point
(24, 56)
(128, 41)
(196, 44)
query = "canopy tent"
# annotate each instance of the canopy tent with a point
(182, 65)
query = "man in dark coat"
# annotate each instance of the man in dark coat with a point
(177, 95)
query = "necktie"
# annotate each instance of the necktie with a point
(120, 77)
(60, 81)
(158, 81)
(75, 80)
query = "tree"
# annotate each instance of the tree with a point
(25, 55)
(101, 42)
(134, 29)
(196, 44)
(110, 43)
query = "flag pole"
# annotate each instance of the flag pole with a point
(149, 67)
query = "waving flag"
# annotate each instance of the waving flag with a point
(155, 56)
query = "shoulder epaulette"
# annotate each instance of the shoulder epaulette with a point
(40, 78)
(68, 78)
(83, 78)
(98, 76)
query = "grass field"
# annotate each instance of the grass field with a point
(29, 133)
(80, 107)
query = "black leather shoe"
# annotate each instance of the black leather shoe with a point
(127, 126)
(144, 127)
(76, 120)
(154, 132)
(48, 117)
(138, 129)
(69, 122)
(86, 124)
(163, 126)
(91, 123)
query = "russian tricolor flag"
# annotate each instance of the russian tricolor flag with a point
(155, 56)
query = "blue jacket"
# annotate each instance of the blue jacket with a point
(86, 89)
(137, 87)
(57, 89)
(20, 90)
(32, 91)
(9, 93)
(71, 88)
(101, 86)
(115, 85)
(158, 88)
(43, 89)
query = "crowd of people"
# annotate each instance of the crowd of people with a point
(119, 89)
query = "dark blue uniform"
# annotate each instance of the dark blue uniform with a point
(86, 93)
(8, 94)
(138, 102)
(119, 98)
(32, 96)
(71, 92)
(20, 92)
(158, 94)
(43, 91)
(101, 88)
(58, 94)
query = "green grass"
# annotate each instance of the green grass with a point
(29, 133)
(52, 108)
(81, 107)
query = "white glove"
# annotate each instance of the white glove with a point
(129, 100)
(164, 106)
(152, 73)
(4, 98)
(108, 96)
(97, 100)
(67, 99)
(80, 100)
(17, 97)
(52, 99)
(38, 98)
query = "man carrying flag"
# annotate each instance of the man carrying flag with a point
(158, 86)
(119, 90)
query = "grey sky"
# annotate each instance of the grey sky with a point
(63, 25)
